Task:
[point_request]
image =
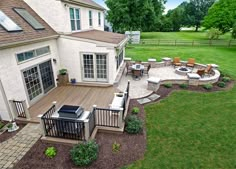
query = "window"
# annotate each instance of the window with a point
(99, 18)
(32, 54)
(119, 59)
(8, 24)
(90, 18)
(75, 19)
(29, 18)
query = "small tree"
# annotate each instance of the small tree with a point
(234, 31)
(213, 33)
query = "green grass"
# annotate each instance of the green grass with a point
(184, 35)
(190, 129)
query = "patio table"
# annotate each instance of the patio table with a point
(137, 70)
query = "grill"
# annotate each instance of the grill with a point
(68, 111)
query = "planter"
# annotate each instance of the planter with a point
(12, 127)
(63, 80)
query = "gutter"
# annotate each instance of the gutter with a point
(83, 4)
(123, 43)
(26, 42)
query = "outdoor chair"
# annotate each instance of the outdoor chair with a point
(176, 61)
(138, 62)
(128, 69)
(137, 74)
(191, 62)
(201, 72)
(146, 70)
(208, 70)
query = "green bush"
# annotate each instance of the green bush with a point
(1, 125)
(62, 71)
(213, 33)
(116, 147)
(51, 152)
(221, 84)
(208, 86)
(168, 85)
(10, 125)
(135, 110)
(226, 79)
(85, 153)
(133, 124)
(183, 86)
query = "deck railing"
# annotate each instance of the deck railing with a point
(92, 122)
(19, 109)
(62, 128)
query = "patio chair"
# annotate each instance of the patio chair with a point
(208, 70)
(138, 62)
(176, 62)
(201, 72)
(137, 74)
(191, 62)
(128, 69)
(146, 70)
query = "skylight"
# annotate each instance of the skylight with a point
(8, 24)
(29, 18)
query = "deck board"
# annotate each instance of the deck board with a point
(74, 95)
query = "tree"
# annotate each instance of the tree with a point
(196, 10)
(234, 31)
(221, 15)
(134, 14)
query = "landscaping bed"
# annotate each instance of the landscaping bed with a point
(132, 149)
(6, 135)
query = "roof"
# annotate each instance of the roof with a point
(101, 36)
(85, 3)
(28, 33)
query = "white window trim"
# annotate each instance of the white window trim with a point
(91, 18)
(76, 26)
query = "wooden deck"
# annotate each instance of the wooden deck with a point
(74, 95)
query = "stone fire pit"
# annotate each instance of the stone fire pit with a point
(183, 70)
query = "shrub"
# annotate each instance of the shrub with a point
(85, 153)
(10, 125)
(168, 85)
(1, 125)
(213, 33)
(207, 86)
(183, 86)
(234, 31)
(62, 71)
(133, 125)
(116, 147)
(51, 152)
(221, 84)
(226, 79)
(135, 110)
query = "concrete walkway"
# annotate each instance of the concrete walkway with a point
(13, 149)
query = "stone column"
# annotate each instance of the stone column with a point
(27, 114)
(152, 62)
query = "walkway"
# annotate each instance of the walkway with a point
(13, 149)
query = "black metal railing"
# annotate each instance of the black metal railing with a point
(126, 98)
(107, 117)
(19, 107)
(62, 128)
(92, 122)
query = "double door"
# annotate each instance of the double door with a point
(39, 80)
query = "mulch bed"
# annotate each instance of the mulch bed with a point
(133, 147)
(6, 135)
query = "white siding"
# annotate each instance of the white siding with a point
(11, 74)
(3, 109)
(57, 15)
(70, 56)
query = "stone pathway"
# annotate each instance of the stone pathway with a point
(153, 97)
(13, 149)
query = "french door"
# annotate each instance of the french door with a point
(95, 67)
(38, 80)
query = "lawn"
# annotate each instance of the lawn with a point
(183, 35)
(189, 129)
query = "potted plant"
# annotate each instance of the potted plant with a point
(12, 127)
(63, 77)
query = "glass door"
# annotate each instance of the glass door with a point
(47, 76)
(95, 67)
(32, 82)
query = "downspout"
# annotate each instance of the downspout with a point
(5, 100)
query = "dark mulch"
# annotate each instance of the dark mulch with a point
(133, 147)
(6, 135)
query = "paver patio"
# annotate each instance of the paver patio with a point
(13, 149)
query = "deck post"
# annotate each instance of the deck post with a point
(13, 108)
(27, 114)
(95, 114)
(120, 117)
(86, 129)
(42, 125)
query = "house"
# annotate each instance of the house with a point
(36, 42)
(90, 54)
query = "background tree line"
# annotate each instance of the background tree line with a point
(147, 15)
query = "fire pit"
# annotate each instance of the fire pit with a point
(182, 70)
